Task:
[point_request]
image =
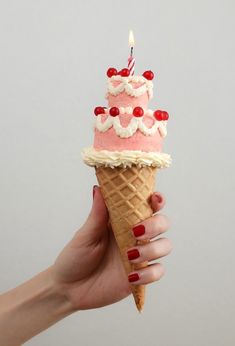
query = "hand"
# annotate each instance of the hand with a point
(89, 269)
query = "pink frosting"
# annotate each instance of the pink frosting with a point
(108, 140)
(125, 100)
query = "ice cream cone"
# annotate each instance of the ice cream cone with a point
(127, 192)
(126, 152)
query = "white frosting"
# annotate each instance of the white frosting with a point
(147, 86)
(135, 124)
(162, 130)
(125, 158)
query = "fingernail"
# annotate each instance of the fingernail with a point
(159, 198)
(133, 254)
(138, 230)
(93, 192)
(133, 277)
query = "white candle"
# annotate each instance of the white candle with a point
(131, 59)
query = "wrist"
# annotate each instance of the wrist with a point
(59, 293)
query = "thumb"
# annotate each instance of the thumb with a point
(97, 221)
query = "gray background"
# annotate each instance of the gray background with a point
(54, 55)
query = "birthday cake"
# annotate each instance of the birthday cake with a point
(127, 132)
(126, 154)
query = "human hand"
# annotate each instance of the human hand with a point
(89, 269)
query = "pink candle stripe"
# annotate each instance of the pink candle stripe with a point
(131, 65)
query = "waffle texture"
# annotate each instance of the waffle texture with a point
(126, 192)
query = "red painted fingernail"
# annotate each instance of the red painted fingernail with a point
(159, 198)
(93, 192)
(138, 230)
(133, 277)
(133, 254)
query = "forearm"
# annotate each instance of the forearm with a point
(31, 308)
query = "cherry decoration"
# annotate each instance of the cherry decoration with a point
(114, 111)
(148, 75)
(138, 112)
(158, 115)
(111, 72)
(99, 110)
(125, 72)
(165, 115)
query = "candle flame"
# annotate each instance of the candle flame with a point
(131, 39)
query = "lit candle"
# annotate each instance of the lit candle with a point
(131, 59)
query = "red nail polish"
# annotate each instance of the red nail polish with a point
(133, 254)
(159, 198)
(138, 230)
(93, 192)
(133, 277)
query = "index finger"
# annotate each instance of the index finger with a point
(157, 201)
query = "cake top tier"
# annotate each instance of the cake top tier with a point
(129, 91)
(124, 90)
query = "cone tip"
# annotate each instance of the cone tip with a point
(139, 306)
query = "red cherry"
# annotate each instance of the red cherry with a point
(165, 115)
(99, 110)
(148, 75)
(124, 72)
(138, 112)
(114, 111)
(111, 72)
(158, 115)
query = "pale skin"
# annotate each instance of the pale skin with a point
(87, 274)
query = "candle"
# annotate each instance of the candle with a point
(131, 59)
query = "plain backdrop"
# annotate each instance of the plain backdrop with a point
(53, 61)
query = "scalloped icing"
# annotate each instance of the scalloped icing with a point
(134, 125)
(146, 86)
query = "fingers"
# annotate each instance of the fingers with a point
(155, 225)
(150, 252)
(146, 275)
(151, 227)
(157, 201)
(153, 250)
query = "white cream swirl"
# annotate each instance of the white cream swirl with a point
(125, 158)
(125, 85)
(134, 125)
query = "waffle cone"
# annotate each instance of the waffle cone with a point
(126, 192)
